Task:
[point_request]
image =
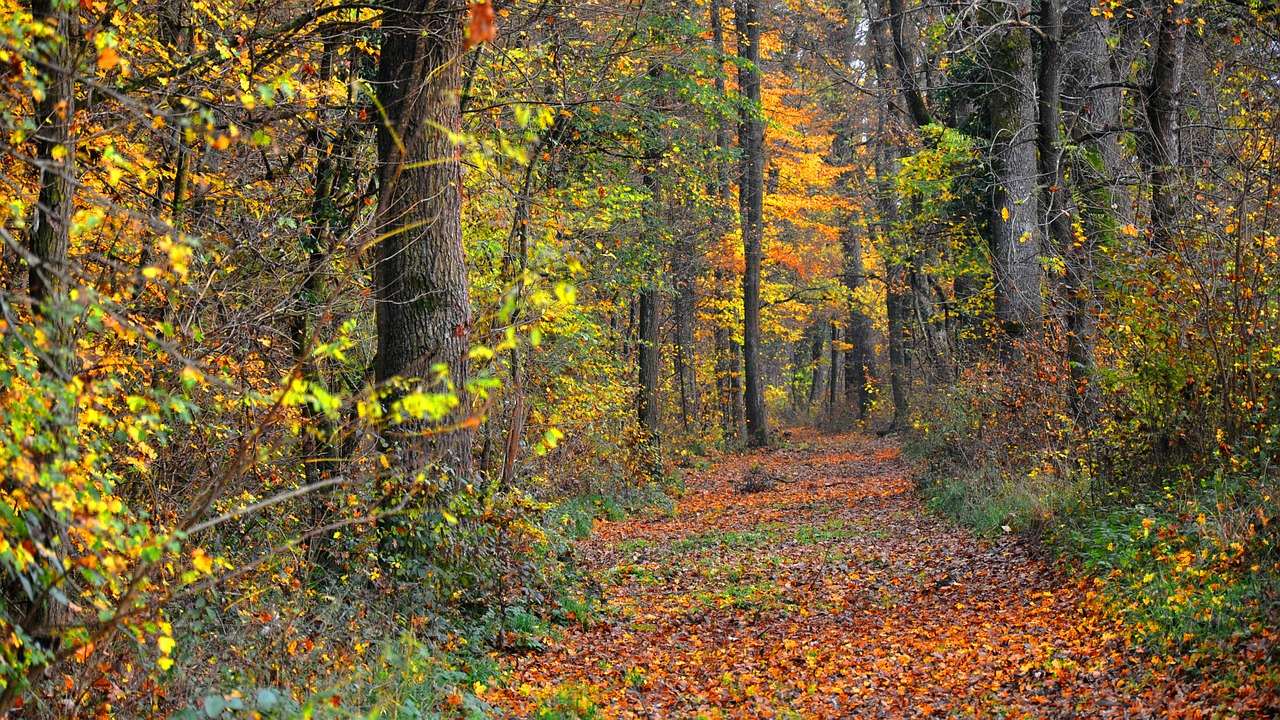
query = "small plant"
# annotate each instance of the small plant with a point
(637, 678)
(757, 479)
(572, 702)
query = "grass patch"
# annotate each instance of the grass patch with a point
(628, 546)
(744, 540)
(987, 500)
(833, 530)
(756, 597)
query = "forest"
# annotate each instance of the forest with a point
(639, 359)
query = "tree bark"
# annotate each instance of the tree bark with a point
(751, 208)
(896, 300)
(1163, 110)
(1093, 105)
(897, 311)
(647, 366)
(860, 359)
(421, 283)
(904, 60)
(1015, 233)
(684, 312)
(49, 239)
(1056, 196)
(833, 372)
(818, 333)
(729, 357)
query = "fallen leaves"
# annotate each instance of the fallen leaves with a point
(837, 595)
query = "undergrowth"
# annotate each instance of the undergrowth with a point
(1181, 547)
(447, 651)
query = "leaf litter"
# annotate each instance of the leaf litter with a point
(836, 594)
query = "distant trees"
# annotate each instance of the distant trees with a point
(1043, 171)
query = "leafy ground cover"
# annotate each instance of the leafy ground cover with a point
(837, 594)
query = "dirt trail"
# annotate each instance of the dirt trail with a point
(834, 595)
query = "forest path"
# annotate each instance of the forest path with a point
(836, 594)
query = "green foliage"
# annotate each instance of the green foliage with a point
(1183, 578)
(410, 679)
(569, 703)
(1186, 555)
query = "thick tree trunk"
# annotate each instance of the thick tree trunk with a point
(422, 289)
(1056, 197)
(1163, 111)
(751, 204)
(1015, 233)
(1093, 103)
(728, 358)
(897, 301)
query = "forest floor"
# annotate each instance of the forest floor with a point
(836, 594)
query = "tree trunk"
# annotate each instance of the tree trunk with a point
(49, 240)
(896, 299)
(515, 265)
(737, 411)
(684, 310)
(860, 359)
(34, 606)
(751, 207)
(721, 339)
(833, 372)
(1163, 110)
(904, 60)
(728, 359)
(1015, 247)
(890, 81)
(647, 366)
(722, 127)
(815, 361)
(1056, 197)
(1094, 105)
(421, 283)
(332, 145)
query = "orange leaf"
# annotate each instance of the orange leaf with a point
(108, 58)
(482, 28)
